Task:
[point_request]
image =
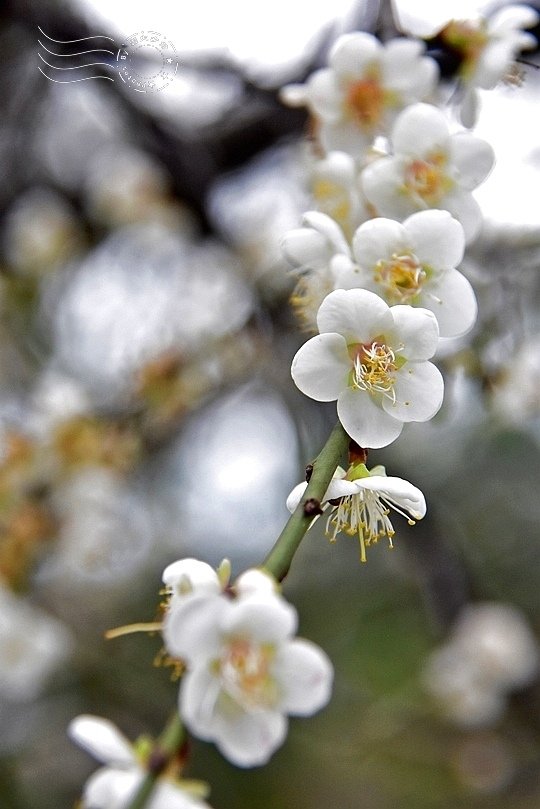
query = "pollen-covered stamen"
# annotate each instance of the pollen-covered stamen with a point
(426, 179)
(374, 367)
(363, 514)
(402, 277)
(245, 671)
(365, 101)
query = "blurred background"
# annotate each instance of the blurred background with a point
(147, 413)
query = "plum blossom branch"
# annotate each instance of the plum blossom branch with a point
(280, 557)
(165, 750)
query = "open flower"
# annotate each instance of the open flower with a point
(245, 670)
(335, 190)
(429, 168)
(361, 502)
(414, 263)
(115, 785)
(373, 360)
(365, 84)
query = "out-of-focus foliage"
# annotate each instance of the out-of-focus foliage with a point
(146, 413)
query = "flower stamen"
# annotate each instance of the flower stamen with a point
(245, 671)
(402, 277)
(374, 368)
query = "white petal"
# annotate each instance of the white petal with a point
(381, 183)
(265, 618)
(167, 795)
(406, 70)
(420, 129)
(466, 210)
(357, 314)
(365, 421)
(110, 788)
(328, 228)
(419, 392)
(378, 239)
(191, 629)
(102, 739)
(438, 239)
(295, 496)
(452, 300)
(398, 491)
(304, 673)
(512, 17)
(417, 330)
(337, 488)
(473, 157)
(352, 53)
(323, 95)
(255, 581)
(304, 247)
(345, 136)
(493, 63)
(199, 694)
(249, 739)
(188, 576)
(294, 95)
(321, 367)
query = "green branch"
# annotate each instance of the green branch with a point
(280, 557)
(166, 748)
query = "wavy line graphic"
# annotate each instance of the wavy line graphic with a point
(75, 54)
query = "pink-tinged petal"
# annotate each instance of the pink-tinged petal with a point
(416, 330)
(304, 674)
(473, 158)
(377, 240)
(357, 314)
(101, 739)
(191, 628)
(321, 367)
(438, 239)
(352, 53)
(265, 618)
(200, 691)
(110, 788)
(324, 96)
(188, 576)
(419, 130)
(365, 421)
(419, 392)
(382, 183)
(452, 300)
(327, 227)
(463, 206)
(399, 492)
(250, 739)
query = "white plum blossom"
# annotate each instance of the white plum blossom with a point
(335, 190)
(188, 577)
(115, 785)
(373, 359)
(362, 500)
(491, 651)
(245, 670)
(33, 646)
(321, 254)
(415, 263)
(365, 84)
(430, 168)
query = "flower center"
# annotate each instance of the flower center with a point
(245, 669)
(364, 101)
(363, 514)
(402, 277)
(374, 367)
(427, 180)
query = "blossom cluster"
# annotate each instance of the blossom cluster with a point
(377, 262)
